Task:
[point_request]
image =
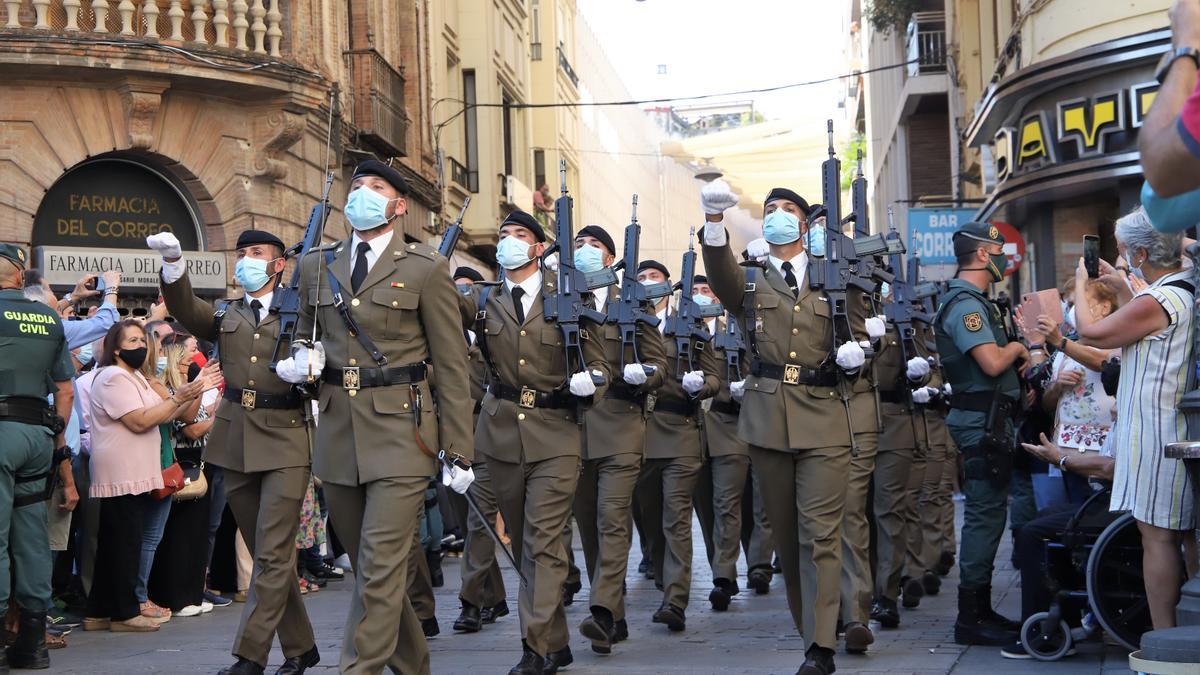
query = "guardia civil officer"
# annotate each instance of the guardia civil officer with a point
(259, 440)
(529, 432)
(982, 366)
(614, 435)
(34, 362)
(792, 415)
(386, 314)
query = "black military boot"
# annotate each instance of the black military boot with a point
(944, 563)
(911, 592)
(991, 616)
(468, 620)
(885, 612)
(970, 628)
(817, 661)
(558, 660)
(296, 665)
(931, 582)
(599, 629)
(29, 651)
(531, 663)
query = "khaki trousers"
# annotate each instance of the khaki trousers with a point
(892, 469)
(420, 580)
(756, 529)
(604, 515)
(665, 488)
(914, 559)
(482, 582)
(932, 501)
(718, 502)
(856, 585)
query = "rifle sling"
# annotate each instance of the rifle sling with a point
(344, 310)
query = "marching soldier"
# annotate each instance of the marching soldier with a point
(33, 354)
(722, 480)
(756, 537)
(529, 432)
(982, 366)
(674, 454)
(386, 313)
(791, 408)
(613, 441)
(259, 440)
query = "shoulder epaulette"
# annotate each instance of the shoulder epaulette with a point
(423, 250)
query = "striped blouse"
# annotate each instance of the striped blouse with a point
(1154, 375)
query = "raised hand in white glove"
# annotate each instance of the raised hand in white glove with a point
(552, 262)
(851, 356)
(458, 479)
(946, 390)
(635, 374)
(582, 385)
(876, 327)
(921, 394)
(305, 357)
(693, 382)
(737, 389)
(716, 197)
(918, 368)
(166, 244)
(288, 372)
(758, 248)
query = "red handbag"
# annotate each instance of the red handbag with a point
(173, 478)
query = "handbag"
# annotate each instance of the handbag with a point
(173, 481)
(195, 485)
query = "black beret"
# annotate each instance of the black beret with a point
(600, 234)
(784, 193)
(971, 235)
(374, 167)
(467, 272)
(519, 217)
(654, 265)
(699, 279)
(252, 237)
(14, 253)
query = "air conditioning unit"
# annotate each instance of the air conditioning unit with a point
(518, 194)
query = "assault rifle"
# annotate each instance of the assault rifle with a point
(687, 323)
(900, 313)
(732, 343)
(453, 233)
(630, 310)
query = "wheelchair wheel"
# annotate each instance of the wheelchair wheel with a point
(1115, 586)
(1045, 645)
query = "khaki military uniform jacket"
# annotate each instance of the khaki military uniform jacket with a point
(243, 440)
(614, 426)
(720, 427)
(788, 330)
(531, 355)
(903, 429)
(408, 305)
(670, 434)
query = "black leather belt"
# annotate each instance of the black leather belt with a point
(35, 411)
(354, 377)
(252, 400)
(792, 373)
(726, 407)
(530, 398)
(893, 396)
(981, 401)
(688, 409)
(624, 393)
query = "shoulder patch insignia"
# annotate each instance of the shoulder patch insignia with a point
(973, 322)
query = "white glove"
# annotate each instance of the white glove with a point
(737, 389)
(552, 262)
(635, 374)
(166, 244)
(582, 385)
(758, 248)
(458, 479)
(851, 356)
(288, 372)
(876, 327)
(917, 368)
(304, 357)
(716, 197)
(946, 390)
(921, 394)
(693, 382)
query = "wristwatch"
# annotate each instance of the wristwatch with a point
(1169, 59)
(1062, 463)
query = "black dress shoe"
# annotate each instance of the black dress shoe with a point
(944, 563)
(490, 614)
(430, 627)
(242, 667)
(468, 620)
(858, 638)
(531, 663)
(599, 629)
(672, 616)
(911, 592)
(558, 660)
(620, 631)
(298, 664)
(760, 580)
(885, 612)
(326, 571)
(931, 583)
(568, 592)
(719, 597)
(817, 661)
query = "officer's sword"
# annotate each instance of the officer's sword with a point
(449, 464)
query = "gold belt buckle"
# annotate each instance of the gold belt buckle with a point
(791, 374)
(249, 397)
(350, 378)
(528, 398)
(651, 399)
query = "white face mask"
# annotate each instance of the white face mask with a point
(1070, 318)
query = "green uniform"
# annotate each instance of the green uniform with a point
(967, 320)
(33, 356)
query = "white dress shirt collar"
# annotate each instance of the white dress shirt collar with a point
(532, 286)
(378, 248)
(266, 303)
(799, 266)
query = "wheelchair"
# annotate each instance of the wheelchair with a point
(1094, 572)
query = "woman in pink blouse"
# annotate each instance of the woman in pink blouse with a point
(125, 414)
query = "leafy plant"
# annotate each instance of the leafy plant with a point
(849, 156)
(886, 16)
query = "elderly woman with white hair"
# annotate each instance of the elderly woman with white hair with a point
(1153, 329)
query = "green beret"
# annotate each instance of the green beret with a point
(972, 234)
(14, 253)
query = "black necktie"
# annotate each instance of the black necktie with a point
(790, 277)
(518, 294)
(255, 306)
(360, 266)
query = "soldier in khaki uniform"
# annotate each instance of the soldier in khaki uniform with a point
(529, 432)
(674, 455)
(792, 415)
(613, 441)
(259, 439)
(378, 423)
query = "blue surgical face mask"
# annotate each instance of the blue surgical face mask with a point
(814, 241)
(251, 273)
(366, 209)
(589, 259)
(512, 253)
(1134, 270)
(85, 355)
(702, 300)
(160, 366)
(648, 282)
(885, 289)
(781, 227)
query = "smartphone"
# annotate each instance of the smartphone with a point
(1091, 255)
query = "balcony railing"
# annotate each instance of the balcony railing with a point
(250, 26)
(926, 43)
(565, 65)
(468, 180)
(377, 96)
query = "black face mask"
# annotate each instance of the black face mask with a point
(193, 371)
(134, 358)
